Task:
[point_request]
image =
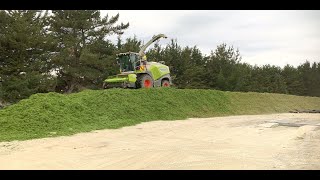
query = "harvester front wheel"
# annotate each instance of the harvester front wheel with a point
(165, 83)
(145, 81)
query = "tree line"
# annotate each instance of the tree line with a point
(223, 70)
(68, 51)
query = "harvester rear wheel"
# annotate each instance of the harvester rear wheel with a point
(145, 81)
(165, 83)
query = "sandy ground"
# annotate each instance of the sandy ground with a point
(234, 142)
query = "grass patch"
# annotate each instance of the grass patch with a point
(53, 114)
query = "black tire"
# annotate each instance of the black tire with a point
(145, 81)
(165, 83)
(105, 85)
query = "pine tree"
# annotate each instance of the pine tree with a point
(221, 64)
(155, 53)
(293, 80)
(25, 48)
(130, 45)
(78, 60)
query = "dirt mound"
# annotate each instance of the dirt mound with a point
(308, 132)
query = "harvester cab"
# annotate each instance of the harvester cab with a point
(127, 61)
(137, 72)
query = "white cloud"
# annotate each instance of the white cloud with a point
(263, 37)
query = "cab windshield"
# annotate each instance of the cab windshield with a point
(127, 62)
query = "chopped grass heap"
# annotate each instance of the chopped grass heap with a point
(53, 114)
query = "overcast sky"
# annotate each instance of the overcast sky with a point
(263, 37)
